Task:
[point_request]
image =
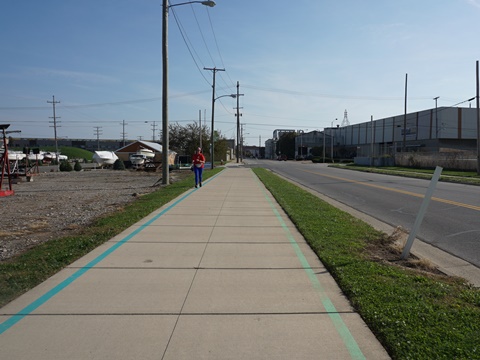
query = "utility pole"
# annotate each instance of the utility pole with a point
(200, 123)
(53, 102)
(97, 133)
(478, 121)
(212, 147)
(405, 118)
(436, 117)
(238, 121)
(154, 125)
(371, 141)
(324, 145)
(124, 134)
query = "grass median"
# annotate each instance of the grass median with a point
(23, 272)
(414, 314)
(461, 177)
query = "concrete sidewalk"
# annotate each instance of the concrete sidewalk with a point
(219, 273)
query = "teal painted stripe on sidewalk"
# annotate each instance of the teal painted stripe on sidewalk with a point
(337, 320)
(11, 321)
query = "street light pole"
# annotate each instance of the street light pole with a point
(165, 137)
(436, 116)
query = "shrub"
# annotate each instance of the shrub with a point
(118, 165)
(65, 166)
(77, 166)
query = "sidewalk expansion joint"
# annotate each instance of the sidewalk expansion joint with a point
(288, 313)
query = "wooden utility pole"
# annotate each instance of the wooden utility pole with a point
(238, 121)
(405, 118)
(200, 123)
(478, 121)
(212, 137)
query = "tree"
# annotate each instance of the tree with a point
(186, 139)
(65, 166)
(77, 166)
(221, 147)
(286, 144)
(317, 151)
(118, 165)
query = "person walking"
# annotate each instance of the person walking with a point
(198, 161)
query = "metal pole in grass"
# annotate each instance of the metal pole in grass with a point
(421, 213)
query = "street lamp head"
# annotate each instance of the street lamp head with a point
(231, 95)
(209, 3)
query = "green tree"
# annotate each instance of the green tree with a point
(221, 147)
(317, 151)
(77, 166)
(118, 165)
(65, 166)
(186, 139)
(286, 144)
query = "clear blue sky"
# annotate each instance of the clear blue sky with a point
(300, 63)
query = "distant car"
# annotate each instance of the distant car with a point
(282, 157)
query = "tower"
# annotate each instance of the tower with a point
(345, 121)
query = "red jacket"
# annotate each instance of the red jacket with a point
(198, 159)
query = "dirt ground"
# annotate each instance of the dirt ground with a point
(58, 203)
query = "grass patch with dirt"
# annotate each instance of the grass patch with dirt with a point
(415, 312)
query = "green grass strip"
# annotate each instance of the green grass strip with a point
(23, 272)
(413, 314)
(461, 177)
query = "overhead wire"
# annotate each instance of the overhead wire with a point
(114, 103)
(201, 32)
(184, 37)
(300, 93)
(191, 47)
(218, 50)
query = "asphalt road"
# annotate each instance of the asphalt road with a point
(451, 223)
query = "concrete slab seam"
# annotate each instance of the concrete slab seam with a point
(337, 320)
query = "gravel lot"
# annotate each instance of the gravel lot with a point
(59, 203)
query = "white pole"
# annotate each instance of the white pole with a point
(421, 212)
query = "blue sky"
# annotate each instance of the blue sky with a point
(300, 63)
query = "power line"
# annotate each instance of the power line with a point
(334, 96)
(201, 32)
(218, 50)
(116, 103)
(183, 34)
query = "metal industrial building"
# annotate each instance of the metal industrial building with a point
(443, 130)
